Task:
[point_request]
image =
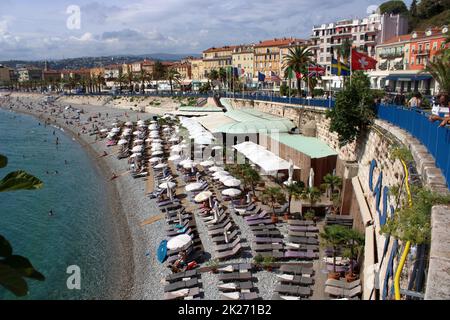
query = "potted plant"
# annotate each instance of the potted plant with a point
(273, 196)
(310, 215)
(334, 236)
(213, 265)
(353, 250)
(294, 190)
(257, 260)
(268, 263)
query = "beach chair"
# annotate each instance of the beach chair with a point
(293, 290)
(293, 279)
(300, 223)
(268, 247)
(239, 295)
(282, 210)
(212, 233)
(234, 286)
(263, 227)
(230, 253)
(340, 292)
(235, 276)
(268, 233)
(182, 275)
(228, 246)
(259, 222)
(343, 284)
(268, 240)
(220, 223)
(261, 214)
(181, 285)
(276, 254)
(305, 269)
(290, 254)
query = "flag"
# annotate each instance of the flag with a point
(339, 69)
(235, 72)
(261, 77)
(274, 77)
(316, 70)
(361, 61)
(298, 75)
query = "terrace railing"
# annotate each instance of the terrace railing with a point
(436, 139)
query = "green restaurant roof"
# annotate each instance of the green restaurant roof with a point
(252, 121)
(200, 109)
(312, 147)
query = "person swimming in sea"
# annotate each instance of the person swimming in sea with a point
(50, 213)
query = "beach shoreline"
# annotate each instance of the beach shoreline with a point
(129, 282)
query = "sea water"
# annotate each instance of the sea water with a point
(77, 233)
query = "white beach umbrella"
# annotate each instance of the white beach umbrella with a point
(126, 134)
(104, 130)
(194, 186)
(161, 166)
(153, 127)
(122, 142)
(157, 153)
(155, 160)
(203, 196)
(140, 122)
(174, 139)
(174, 157)
(183, 162)
(137, 149)
(167, 185)
(221, 174)
(156, 148)
(217, 148)
(154, 134)
(136, 133)
(180, 242)
(128, 123)
(135, 155)
(207, 163)
(189, 165)
(138, 141)
(114, 124)
(167, 130)
(232, 183)
(176, 148)
(232, 192)
(153, 122)
(311, 178)
(215, 169)
(205, 140)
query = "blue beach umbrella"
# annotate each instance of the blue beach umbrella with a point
(162, 251)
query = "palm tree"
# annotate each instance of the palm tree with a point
(143, 77)
(222, 76)
(273, 196)
(440, 71)
(121, 80)
(173, 76)
(294, 190)
(334, 236)
(298, 60)
(252, 177)
(355, 246)
(344, 50)
(312, 195)
(100, 82)
(330, 182)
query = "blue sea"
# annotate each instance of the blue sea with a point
(79, 231)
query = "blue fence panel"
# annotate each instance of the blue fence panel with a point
(436, 139)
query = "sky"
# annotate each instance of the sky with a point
(49, 29)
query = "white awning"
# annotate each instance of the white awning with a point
(214, 121)
(265, 159)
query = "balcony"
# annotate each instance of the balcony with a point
(391, 55)
(423, 52)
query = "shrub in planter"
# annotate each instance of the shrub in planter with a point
(213, 265)
(268, 263)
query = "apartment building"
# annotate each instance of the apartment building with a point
(268, 57)
(216, 58)
(243, 60)
(198, 70)
(425, 45)
(26, 74)
(184, 69)
(5, 75)
(364, 34)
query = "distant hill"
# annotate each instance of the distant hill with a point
(91, 62)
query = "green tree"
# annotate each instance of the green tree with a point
(354, 246)
(394, 7)
(312, 195)
(354, 110)
(440, 70)
(344, 50)
(330, 182)
(294, 190)
(174, 77)
(429, 8)
(273, 196)
(334, 236)
(14, 268)
(297, 60)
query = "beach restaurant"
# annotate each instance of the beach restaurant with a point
(277, 136)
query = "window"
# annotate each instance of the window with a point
(412, 61)
(434, 45)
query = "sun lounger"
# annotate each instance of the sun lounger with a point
(185, 230)
(293, 290)
(290, 254)
(260, 215)
(234, 286)
(339, 292)
(179, 276)
(276, 254)
(304, 228)
(343, 284)
(221, 230)
(277, 296)
(240, 296)
(338, 268)
(283, 209)
(181, 285)
(268, 247)
(219, 239)
(219, 225)
(263, 227)
(306, 268)
(228, 246)
(300, 223)
(235, 276)
(268, 240)
(259, 222)
(304, 281)
(303, 240)
(264, 233)
(230, 253)
(241, 267)
(181, 294)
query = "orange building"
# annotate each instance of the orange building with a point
(425, 45)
